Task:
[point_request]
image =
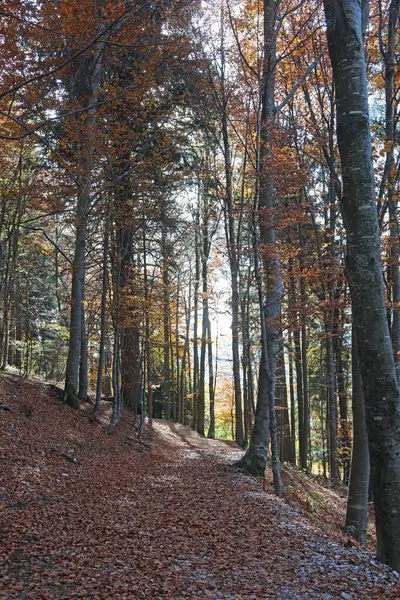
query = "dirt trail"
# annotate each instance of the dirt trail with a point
(85, 515)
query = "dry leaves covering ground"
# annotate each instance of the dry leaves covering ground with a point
(87, 515)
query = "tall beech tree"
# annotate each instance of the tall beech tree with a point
(83, 85)
(265, 425)
(346, 21)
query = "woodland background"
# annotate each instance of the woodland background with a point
(148, 225)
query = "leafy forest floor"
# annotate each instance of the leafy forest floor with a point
(88, 515)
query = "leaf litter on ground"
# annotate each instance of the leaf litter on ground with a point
(88, 515)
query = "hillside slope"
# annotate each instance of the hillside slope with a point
(87, 515)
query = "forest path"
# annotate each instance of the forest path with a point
(86, 515)
(243, 543)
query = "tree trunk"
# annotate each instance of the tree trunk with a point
(172, 373)
(255, 459)
(246, 368)
(196, 322)
(282, 408)
(211, 387)
(230, 232)
(239, 432)
(149, 361)
(177, 397)
(83, 204)
(298, 367)
(204, 327)
(357, 499)
(299, 394)
(304, 371)
(292, 408)
(332, 406)
(389, 59)
(166, 328)
(103, 322)
(117, 401)
(185, 366)
(343, 411)
(83, 361)
(270, 302)
(345, 22)
(126, 223)
(75, 324)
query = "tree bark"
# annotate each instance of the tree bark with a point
(332, 406)
(283, 409)
(117, 399)
(264, 241)
(345, 25)
(196, 320)
(343, 411)
(75, 325)
(304, 371)
(83, 204)
(357, 499)
(83, 361)
(103, 322)
(292, 401)
(166, 328)
(230, 232)
(390, 170)
(211, 387)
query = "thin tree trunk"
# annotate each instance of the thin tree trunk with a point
(211, 386)
(246, 371)
(83, 361)
(299, 394)
(185, 366)
(178, 397)
(103, 322)
(189, 379)
(117, 399)
(357, 499)
(343, 411)
(292, 402)
(332, 406)
(172, 373)
(149, 360)
(196, 321)
(286, 450)
(166, 328)
(203, 348)
(298, 368)
(304, 371)
(230, 232)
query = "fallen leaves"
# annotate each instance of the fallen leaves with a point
(86, 515)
